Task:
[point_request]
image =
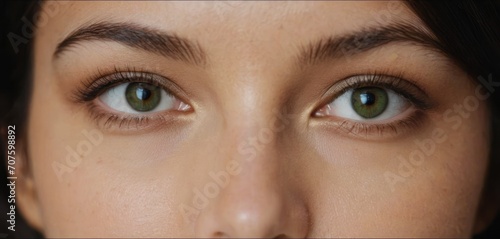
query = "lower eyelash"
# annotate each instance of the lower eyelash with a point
(108, 120)
(393, 129)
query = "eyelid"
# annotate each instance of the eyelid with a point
(89, 91)
(405, 88)
(98, 84)
(126, 123)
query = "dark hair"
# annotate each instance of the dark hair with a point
(15, 94)
(469, 33)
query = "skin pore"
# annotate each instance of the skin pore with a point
(253, 85)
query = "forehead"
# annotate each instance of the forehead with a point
(250, 22)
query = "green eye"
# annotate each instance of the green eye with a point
(143, 97)
(369, 102)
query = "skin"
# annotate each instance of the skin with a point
(306, 178)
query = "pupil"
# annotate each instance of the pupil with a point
(142, 93)
(367, 98)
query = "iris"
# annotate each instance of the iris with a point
(369, 102)
(143, 97)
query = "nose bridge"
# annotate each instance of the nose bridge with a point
(250, 146)
(253, 200)
(252, 122)
(251, 141)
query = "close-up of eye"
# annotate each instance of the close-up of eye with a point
(126, 97)
(250, 119)
(141, 98)
(367, 103)
(370, 103)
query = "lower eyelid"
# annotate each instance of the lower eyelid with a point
(414, 119)
(123, 122)
(407, 113)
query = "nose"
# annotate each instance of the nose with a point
(258, 200)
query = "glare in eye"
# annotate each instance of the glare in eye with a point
(366, 103)
(140, 97)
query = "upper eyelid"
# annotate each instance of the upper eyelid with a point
(394, 83)
(369, 79)
(119, 77)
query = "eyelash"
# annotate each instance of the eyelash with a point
(390, 129)
(406, 89)
(92, 89)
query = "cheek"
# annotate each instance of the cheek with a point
(115, 185)
(426, 185)
(117, 205)
(106, 194)
(88, 179)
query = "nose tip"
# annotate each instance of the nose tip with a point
(257, 203)
(255, 219)
(263, 217)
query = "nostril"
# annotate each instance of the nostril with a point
(281, 236)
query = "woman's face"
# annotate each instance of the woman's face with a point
(250, 119)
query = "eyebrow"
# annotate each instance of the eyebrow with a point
(178, 48)
(136, 36)
(365, 40)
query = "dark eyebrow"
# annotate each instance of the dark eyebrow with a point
(136, 36)
(366, 40)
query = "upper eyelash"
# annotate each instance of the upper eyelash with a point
(99, 83)
(406, 89)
